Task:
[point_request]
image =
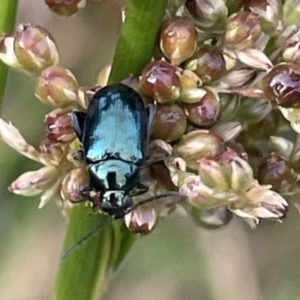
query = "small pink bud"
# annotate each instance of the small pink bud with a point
(58, 87)
(59, 127)
(142, 219)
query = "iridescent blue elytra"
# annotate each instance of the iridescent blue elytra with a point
(114, 136)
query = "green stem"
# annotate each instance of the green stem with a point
(82, 274)
(8, 11)
(136, 42)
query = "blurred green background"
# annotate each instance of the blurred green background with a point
(178, 260)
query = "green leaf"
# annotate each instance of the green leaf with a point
(8, 11)
(82, 274)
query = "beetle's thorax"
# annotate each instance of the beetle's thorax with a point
(114, 175)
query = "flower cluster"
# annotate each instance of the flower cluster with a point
(225, 80)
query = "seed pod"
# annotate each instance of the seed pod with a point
(204, 113)
(242, 30)
(34, 48)
(178, 39)
(73, 185)
(169, 123)
(59, 127)
(141, 220)
(57, 86)
(208, 63)
(160, 80)
(282, 85)
(65, 7)
(199, 144)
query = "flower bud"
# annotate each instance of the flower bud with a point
(199, 144)
(141, 220)
(57, 86)
(192, 95)
(160, 80)
(212, 218)
(12, 137)
(178, 39)
(282, 146)
(291, 52)
(54, 154)
(270, 13)
(281, 85)
(34, 48)
(274, 171)
(211, 175)
(205, 112)
(241, 175)
(209, 15)
(198, 194)
(242, 30)
(208, 63)
(264, 203)
(228, 131)
(34, 182)
(59, 127)
(66, 7)
(73, 185)
(169, 122)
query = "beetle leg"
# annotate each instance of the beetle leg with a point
(89, 194)
(140, 189)
(77, 118)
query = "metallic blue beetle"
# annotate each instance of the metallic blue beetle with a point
(114, 135)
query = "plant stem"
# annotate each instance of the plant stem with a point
(82, 274)
(8, 11)
(136, 42)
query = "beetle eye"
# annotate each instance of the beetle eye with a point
(127, 201)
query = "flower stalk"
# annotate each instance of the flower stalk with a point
(90, 262)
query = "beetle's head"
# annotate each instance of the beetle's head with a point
(116, 203)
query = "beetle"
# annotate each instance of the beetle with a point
(114, 132)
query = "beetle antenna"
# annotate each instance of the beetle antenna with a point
(85, 238)
(150, 199)
(99, 226)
